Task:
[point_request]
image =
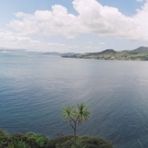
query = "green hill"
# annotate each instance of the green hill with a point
(140, 53)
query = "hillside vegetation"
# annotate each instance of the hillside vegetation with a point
(140, 53)
(32, 140)
(75, 116)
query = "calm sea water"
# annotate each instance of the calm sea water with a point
(34, 88)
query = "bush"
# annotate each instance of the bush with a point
(38, 140)
(82, 142)
(18, 144)
(32, 140)
(4, 139)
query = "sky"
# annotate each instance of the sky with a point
(73, 25)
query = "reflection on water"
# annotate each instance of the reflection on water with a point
(34, 88)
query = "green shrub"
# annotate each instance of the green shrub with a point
(82, 142)
(18, 144)
(4, 139)
(38, 140)
(32, 140)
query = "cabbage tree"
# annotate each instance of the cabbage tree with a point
(76, 115)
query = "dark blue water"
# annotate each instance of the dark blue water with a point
(34, 88)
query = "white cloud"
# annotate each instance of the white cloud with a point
(55, 22)
(91, 17)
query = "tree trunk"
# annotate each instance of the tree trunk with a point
(75, 133)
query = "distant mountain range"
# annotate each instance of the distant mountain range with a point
(140, 53)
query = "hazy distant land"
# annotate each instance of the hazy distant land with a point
(140, 53)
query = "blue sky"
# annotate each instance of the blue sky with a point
(128, 7)
(9, 7)
(57, 34)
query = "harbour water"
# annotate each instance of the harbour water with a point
(34, 88)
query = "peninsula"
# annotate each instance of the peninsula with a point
(140, 54)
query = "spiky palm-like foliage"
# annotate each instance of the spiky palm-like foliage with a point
(76, 115)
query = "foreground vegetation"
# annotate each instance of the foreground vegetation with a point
(75, 115)
(32, 140)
